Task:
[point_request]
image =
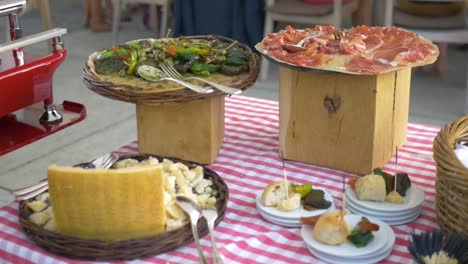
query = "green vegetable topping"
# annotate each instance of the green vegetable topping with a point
(110, 66)
(232, 61)
(362, 233)
(204, 69)
(132, 62)
(302, 189)
(360, 239)
(187, 54)
(240, 54)
(198, 56)
(232, 70)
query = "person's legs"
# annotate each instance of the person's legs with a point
(86, 13)
(441, 65)
(97, 21)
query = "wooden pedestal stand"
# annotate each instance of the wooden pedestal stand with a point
(342, 121)
(192, 131)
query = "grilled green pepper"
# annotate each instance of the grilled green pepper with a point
(204, 69)
(132, 62)
(187, 55)
(302, 189)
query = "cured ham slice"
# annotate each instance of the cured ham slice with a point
(359, 50)
(360, 64)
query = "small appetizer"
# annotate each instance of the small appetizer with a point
(275, 195)
(381, 186)
(331, 228)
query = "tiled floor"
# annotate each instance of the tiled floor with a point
(434, 100)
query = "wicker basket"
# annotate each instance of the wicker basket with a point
(452, 178)
(157, 94)
(123, 250)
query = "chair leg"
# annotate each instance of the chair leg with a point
(153, 18)
(117, 4)
(164, 17)
(86, 13)
(265, 63)
(45, 15)
(466, 87)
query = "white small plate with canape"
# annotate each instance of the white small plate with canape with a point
(414, 198)
(294, 214)
(348, 249)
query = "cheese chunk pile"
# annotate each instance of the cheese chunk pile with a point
(179, 179)
(108, 204)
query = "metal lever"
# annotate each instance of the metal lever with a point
(8, 7)
(32, 39)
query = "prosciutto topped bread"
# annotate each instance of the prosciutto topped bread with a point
(359, 50)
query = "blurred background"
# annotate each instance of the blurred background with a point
(437, 91)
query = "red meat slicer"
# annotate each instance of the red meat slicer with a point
(27, 111)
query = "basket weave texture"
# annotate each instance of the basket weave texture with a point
(179, 94)
(452, 178)
(96, 250)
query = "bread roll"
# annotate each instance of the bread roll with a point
(371, 188)
(274, 193)
(331, 229)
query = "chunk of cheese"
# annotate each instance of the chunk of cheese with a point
(108, 204)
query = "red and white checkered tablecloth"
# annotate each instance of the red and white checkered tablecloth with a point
(248, 161)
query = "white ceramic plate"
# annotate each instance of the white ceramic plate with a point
(390, 217)
(380, 214)
(371, 259)
(281, 222)
(347, 249)
(392, 222)
(295, 214)
(414, 198)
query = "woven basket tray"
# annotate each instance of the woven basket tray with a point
(123, 250)
(168, 92)
(452, 178)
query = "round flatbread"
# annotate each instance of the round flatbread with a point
(136, 83)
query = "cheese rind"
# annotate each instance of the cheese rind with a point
(108, 204)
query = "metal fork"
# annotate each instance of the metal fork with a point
(211, 214)
(167, 77)
(193, 211)
(172, 72)
(103, 162)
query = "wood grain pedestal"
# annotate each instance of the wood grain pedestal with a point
(347, 122)
(191, 131)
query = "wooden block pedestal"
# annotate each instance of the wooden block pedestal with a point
(191, 131)
(347, 122)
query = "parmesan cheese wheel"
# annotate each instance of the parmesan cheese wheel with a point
(107, 204)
